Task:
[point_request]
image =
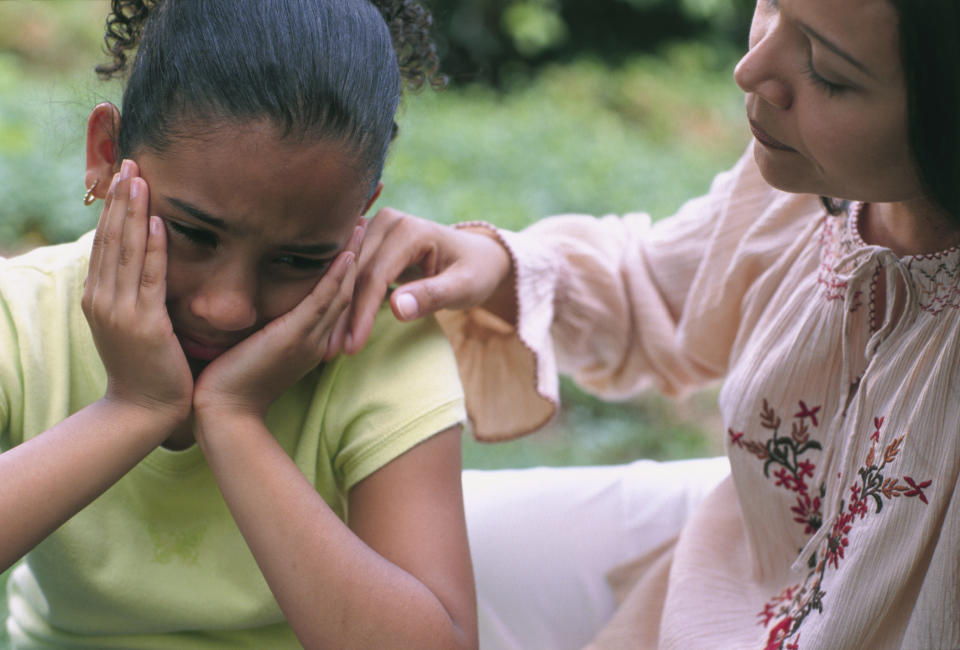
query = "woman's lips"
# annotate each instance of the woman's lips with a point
(766, 140)
(200, 350)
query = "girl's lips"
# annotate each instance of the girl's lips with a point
(202, 351)
(764, 138)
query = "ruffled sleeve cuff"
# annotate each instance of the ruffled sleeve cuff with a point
(509, 374)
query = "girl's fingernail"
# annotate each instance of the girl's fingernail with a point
(407, 305)
(134, 189)
(155, 225)
(126, 169)
(113, 183)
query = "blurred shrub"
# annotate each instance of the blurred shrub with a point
(486, 40)
(577, 138)
(49, 37)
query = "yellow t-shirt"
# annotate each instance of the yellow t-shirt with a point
(157, 561)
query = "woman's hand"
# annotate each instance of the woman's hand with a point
(247, 378)
(124, 300)
(459, 269)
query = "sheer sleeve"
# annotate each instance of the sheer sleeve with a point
(619, 303)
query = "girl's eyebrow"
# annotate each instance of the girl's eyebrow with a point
(323, 248)
(312, 249)
(197, 213)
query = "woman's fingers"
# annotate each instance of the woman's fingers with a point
(390, 248)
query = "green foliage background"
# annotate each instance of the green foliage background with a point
(554, 131)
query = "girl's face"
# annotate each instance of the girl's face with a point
(826, 99)
(253, 222)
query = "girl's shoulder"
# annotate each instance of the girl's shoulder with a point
(45, 264)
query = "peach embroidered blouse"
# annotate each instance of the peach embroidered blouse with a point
(839, 526)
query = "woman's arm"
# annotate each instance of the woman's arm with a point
(49, 478)
(398, 577)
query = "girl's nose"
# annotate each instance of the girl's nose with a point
(760, 72)
(226, 302)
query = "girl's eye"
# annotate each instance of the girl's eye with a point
(193, 235)
(831, 88)
(299, 263)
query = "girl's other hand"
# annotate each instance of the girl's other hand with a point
(457, 269)
(247, 378)
(124, 301)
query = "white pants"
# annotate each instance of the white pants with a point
(543, 540)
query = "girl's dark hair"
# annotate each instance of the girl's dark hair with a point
(930, 49)
(317, 69)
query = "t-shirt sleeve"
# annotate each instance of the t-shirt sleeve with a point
(401, 389)
(9, 375)
(49, 367)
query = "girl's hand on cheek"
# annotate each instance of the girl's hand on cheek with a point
(124, 301)
(250, 376)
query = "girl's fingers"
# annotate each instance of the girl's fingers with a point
(132, 242)
(96, 251)
(153, 285)
(329, 300)
(112, 232)
(337, 337)
(355, 243)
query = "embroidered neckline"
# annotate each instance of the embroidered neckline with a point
(935, 277)
(853, 231)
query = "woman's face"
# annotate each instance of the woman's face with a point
(826, 99)
(253, 222)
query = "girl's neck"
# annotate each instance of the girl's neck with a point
(914, 227)
(181, 438)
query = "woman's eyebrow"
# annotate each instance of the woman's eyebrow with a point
(836, 49)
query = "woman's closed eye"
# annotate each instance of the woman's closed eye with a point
(831, 88)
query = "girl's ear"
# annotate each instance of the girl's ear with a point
(373, 198)
(102, 128)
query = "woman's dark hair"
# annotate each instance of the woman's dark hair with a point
(930, 51)
(317, 69)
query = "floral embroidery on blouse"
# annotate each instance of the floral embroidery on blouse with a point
(783, 455)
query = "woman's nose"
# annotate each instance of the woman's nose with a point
(761, 72)
(226, 301)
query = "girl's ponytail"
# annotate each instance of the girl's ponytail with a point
(409, 24)
(123, 30)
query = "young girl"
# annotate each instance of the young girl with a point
(190, 466)
(835, 325)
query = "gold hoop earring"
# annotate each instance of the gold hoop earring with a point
(89, 198)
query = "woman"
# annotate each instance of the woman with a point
(820, 278)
